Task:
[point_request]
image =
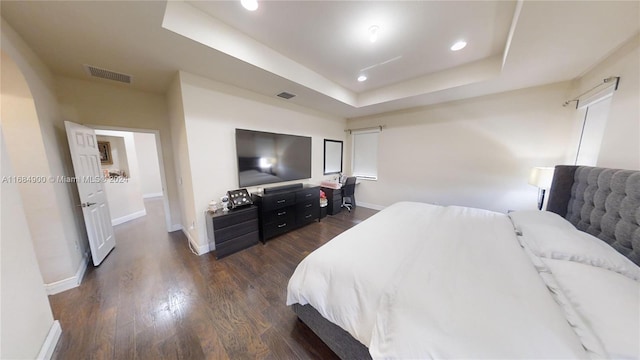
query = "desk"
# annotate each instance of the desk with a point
(334, 200)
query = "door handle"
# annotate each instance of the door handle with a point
(87, 204)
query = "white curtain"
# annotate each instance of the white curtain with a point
(596, 112)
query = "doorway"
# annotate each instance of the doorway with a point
(135, 168)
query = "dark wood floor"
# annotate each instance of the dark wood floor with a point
(153, 299)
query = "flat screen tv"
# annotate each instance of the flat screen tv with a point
(266, 158)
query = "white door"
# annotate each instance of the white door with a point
(86, 164)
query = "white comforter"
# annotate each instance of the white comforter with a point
(424, 281)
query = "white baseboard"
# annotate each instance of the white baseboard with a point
(370, 206)
(152, 195)
(200, 249)
(124, 219)
(50, 342)
(69, 283)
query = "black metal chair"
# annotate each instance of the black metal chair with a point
(348, 193)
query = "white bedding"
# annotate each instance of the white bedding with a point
(435, 282)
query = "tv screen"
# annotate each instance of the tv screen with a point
(265, 158)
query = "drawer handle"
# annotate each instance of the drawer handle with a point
(308, 216)
(308, 195)
(282, 213)
(281, 201)
(308, 205)
(282, 225)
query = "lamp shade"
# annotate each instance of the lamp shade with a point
(541, 177)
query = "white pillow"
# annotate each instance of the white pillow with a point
(536, 217)
(607, 302)
(548, 237)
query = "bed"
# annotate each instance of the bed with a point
(424, 281)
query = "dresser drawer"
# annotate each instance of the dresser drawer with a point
(277, 228)
(237, 244)
(308, 215)
(332, 194)
(307, 204)
(277, 201)
(233, 231)
(279, 215)
(235, 217)
(307, 194)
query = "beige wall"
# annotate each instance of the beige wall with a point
(212, 112)
(150, 182)
(181, 151)
(476, 152)
(24, 310)
(621, 141)
(97, 103)
(62, 241)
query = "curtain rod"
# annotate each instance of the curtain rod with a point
(608, 80)
(379, 127)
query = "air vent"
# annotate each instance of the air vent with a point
(285, 95)
(107, 74)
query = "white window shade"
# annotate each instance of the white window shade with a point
(593, 127)
(365, 154)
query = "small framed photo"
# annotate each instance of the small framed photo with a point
(105, 153)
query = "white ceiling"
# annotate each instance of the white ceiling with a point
(316, 49)
(332, 37)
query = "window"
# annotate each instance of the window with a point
(365, 154)
(596, 112)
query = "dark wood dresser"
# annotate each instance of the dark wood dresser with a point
(233, 230)
(334, 200)
(287, 208)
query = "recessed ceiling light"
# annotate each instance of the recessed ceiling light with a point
(362, 78)
(250, 5)
(373, 33)
(459, 45)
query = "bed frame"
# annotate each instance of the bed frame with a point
(602, 202)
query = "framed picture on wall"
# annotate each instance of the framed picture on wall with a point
(105, 152)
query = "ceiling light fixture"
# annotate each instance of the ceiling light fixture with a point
(251, 5)
(373, 33)
(459, 45)
(362, 78)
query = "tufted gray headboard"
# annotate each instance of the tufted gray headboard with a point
(602, 202)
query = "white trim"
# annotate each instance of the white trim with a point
(50, 342)
(371, 206)
(152, 195)
(200, 249)
(69, 283)
(124, 219)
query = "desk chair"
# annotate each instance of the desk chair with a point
(348, 193)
